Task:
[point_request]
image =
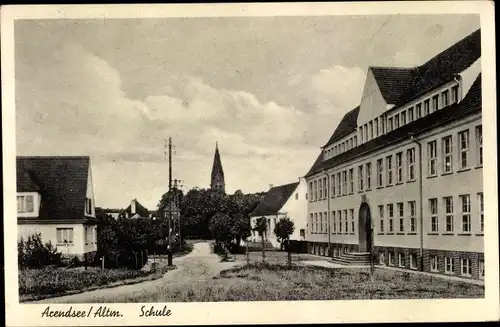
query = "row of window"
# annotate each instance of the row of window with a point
(342, 222)
(401, 224)
(401, 169)
(465, 213)
(343, 146)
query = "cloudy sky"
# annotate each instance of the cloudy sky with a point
(270, 90)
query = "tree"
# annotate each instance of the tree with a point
(261, 228)
(283, 229)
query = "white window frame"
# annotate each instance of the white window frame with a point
(325, 188)
(427, 107)
(467, 264)
(399, 167)
(454, 94)
(351, 213)
(381, 218)
(320, 187)
(479, 142)
(64, 234)
(463, 143)
(388, 168)
(401, 259)
(351, 180)
(390, 126)
(410, 115)
(375, 123)
(447, 154)
(344, 180)
(396, 121)
(435, 103)
(339, 184)
(334, 221)
(433, 210)
(418, 110)
(403, 118)
(391, 258)
(445, 100)
(448, 265)
(340, 220)
(432, 158)
(315, 190)
(449, 215)
(413, 221)
(480, 201)
(413, 257)
(368, 176)
(360, 178)
(400, 208)
(346, 221)
(321, 223)
(481, 269)
(410, 159)
(370, 124)
(466, 213)
(380, 172)
(22, 203)
(381, 258)
(390, 212)
(434, 264)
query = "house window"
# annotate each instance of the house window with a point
(432, 158)
(334, 219)
(401, 259)
(332, 181)
(403, 118)
(368, 176)
(448, 155)
(479, 142)
(465, 199)
(360, 178)
(320, 186)
(339, 213)
(389, 124)
(426, 107)
(399, 167)
(310, 191)
(418, 111)
(435, 103)
(448, 205)
(361, 134)
(380, 172)
(346, 221)
(88, 206)
(316, 228)
(434, 263)
(371, 129)
(382, 125)
(376, 127)
(312, 223)
(410, 115)
(390, 209)
(410, 160)
(413, 261)
(396, 121)
(344, 178)
(296, 196)
(351, 180)
(339, 185)
(463, 139)
(325, 187)
(381, 258)
(391, 258)
(86, 235)
(388, 163)
(302, 233)
(25, 203)
(64, 235)
(448, 265)
(315, 190)
(321, 223)
(481, 269)
(433, 208)
(355, 140)
(365, 129)
(401, 217)
(351, 213)
(381, 217)
(481, 211)
(466, 267)
(454, 94)
(444, 98)
(413, 220)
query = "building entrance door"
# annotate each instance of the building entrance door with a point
(364, 228)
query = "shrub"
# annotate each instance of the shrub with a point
(32, 253)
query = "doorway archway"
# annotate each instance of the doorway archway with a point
(364, 228)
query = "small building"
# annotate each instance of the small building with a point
(55, 198)
(280, 201)
(135, 210)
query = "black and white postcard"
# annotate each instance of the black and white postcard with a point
(249, 163)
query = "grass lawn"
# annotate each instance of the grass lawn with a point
(270, 282)
(277, 257)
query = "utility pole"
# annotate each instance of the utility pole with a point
(170, 192)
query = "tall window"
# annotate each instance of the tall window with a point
(332, 181)
(390, 209)
(481, 269)
(399, 167)
(311, 223)
(410, 115)
(368, 175)
(320, 186)
(321, 223)
(444, 98)
(339, 185)
(351, 180)
(465, 200)
(376, 127)
(346, 221)
(410, 159)
(413, 220)
(382, 125)
(403, 118)
(334, 220)
(361, 134)
(381, 217)
(310, 191)
(325, 187)
(463, 139)
(365, 129)
(351, 213)
(435, 103)
(64, 235)
(448, 206)
(401, 259)
(391, 258)
(390, 126)
(316, 228)
(355, 140)
(88, 206)
(434, 263)
(479, 142)
(344, 177)
(339, 213)
(25, 203)
(448, 265)
(466, 267)
(481, 211)
(426, 107)
(454, 94)
(396, 121)
(448, 154)
(388, 163)
(413, 261)
(418, 111)
(432, 158)
(433, 208)
(401, 217)
(380, 172)
(371, 129)
(315, 190)
(360, 178)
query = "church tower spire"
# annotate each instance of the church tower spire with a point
(217, 181)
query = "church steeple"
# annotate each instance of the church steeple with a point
(217, 181)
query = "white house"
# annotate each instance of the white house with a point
(55, 198)
(280, 201)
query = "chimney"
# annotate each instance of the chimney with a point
(132, 207)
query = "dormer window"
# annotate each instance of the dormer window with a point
(403, 118)
(389, 123)
(435, 103)
(88, 206)
(355, 140)
(410, 115)
(25, 203)
(426, 107)
(444, 98)
(454, 94)
(361, 134)
(376, 126)
(396, 121)
(418, 111)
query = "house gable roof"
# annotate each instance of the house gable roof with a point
(139, 209)
(392, 82)
(274, 200)
(62, 182)
(471, 104)
(347, 125)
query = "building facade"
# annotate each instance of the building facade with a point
(287, 200)
(55, 198)
(401, 176)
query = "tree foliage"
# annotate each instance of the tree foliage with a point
(283, 229)
(32, 253)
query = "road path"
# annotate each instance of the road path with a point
(201, 265)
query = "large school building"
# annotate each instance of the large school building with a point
(401, 176)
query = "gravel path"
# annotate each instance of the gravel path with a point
(201, 265)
